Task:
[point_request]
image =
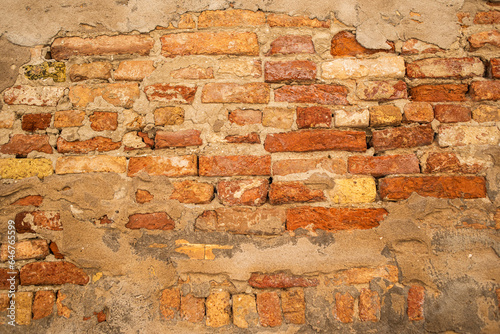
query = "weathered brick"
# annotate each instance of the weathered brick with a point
(171, 93)
(355, 190)
(439, 93)
(230, 18)
(168, 166)
(42, 96)
(294, 306)
(210, 43)
(68, 118)
(169, 116)
(193, 72)
(35, 200)
(241, 67)
(134, 70)
(117, 94)
(321, 94)
(352, 68)
(402, 137)
(291, 44)
(399, 188)
(100, 144)
(414, 46)
(251, 138)
(268, 307)
(7, 119)
(182, 138)
(384, 165)
(281, 118)
(486, 113)
(369, 305)
(333, 219)
(244, 311)
(451, 113)
(385, 115)
(293, 70)
(218, 309)
(143, 196)
(255, 92)
(480, 39)
(22, 168)
(280, 280)
(344, 44)
(421, 112)
(283, 20)
(364, 275)
(91, 164)
(495, 68)
(485, 90)
(43, 304)
(344, 307)
(52, 273)
(490, 17)
(316, 140)
(193, 192)
(235, 165)
(64, 48)
(243, 221)
(170, 303)
(186, 21)
(245, 116)
(6, 281)
(467, 135)
(32, 122)
(292, 192)
(449, 163)
(445, 68)
(62, 310)
(313, 117)
(150, 221)
(26, 249)
(29, 221)
(295, 166)
(192, 308)
(136, 140)
(23, 306)
(95, 70)
(416, 297)
(53, 70)
(352, 119)
(101, 121)
(252, 192)
(381, 90)
(22, 145)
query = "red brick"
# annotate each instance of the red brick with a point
(333, 219)
(21, 145)
(399, 188)
(26, 221)
(344, 44)
(485, 90)
(170, 303)
(421, 112)
(451, 113)
(369, 305)
(193, 192)
(321, 94)
(193, 72)
(381, 90)
(314, 117)
(416, 297)
(295, 166)
(269, 309)
(150, 221)
(402, 137)
(449, 163)
(26, 249)
(99, 144)
(414, 46)
(251, 138)
(5, 279)
(68, 118)
(43, 304)
(95, 70)
(283, 20)
(439, 93)
(293, 70)
(344, 307)
(134, 70)
(480, 39)
(35, 200)
(118, 94)
(42, 96)
(495, 67)
(252, 192)
(192, 308)
(316, 140)
(245, 116)
(280, 280)
(143, 196)
(294, 306)
(64, 48)
(210, 43)
(170, 93)
(445, 68)
(230, 18)
(384, 165)
(55, 250)
(52, 273)
(293, 192)
(291, 44)
(168, 166)
(182, 138)
(255, 92)
(32, 122)
(101, 121)
(235, 165)
(491, 17)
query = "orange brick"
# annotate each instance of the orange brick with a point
(384, 165)
(416, 298)
(294, 166)
(193, 192)
(95, 70)
(134, 70)
(269, 309)
(101, 121)
(171, 93)
(91, 164)
(35, 200)
(344, 307)
(291, 44)
(230, 18)
(402, 137)
(245, 116)
(150, 221)
(283, 20)
(369, 305)
(252, 192)
(175, 166)
(485, 90)
(255, 92)
(480, 39)
(52, 273)
(445, 68)
(293, 192)
(294, 70)
(43, 96)
(118, 94)
(100, 144)
(183, 138)
(192, 308)
(193, 72)
(313, 117)
(491, 17)
(170, 303)
(68, 118)
(321, 94)
(22, 145)
(26, 221)
(235, 165)
(344, 44)
(32, 122)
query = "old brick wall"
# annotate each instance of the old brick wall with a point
(254, 171)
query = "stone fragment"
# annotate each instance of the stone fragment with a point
(344, 307)
(369, 305)
(182, 138)
(35, 200)
(445, 68)
(293, 192)
(313, 117)
(294, 306)
(170, 303)
(68, 118)
(451, 113)
(352, 119)
(193, 192)
(485, 90)
(41, 96)
(353, 68)
(384, 165)
(320, 94)
(43, 304)
(241, 67)
(385, 115)
(244, 311)
(283, 20)
(230, 18)
(235, 165)
(27, 221)
(291, 44)
(293, 70)
(402, 137)
(381, 90)
(32, 122)
(168, 166)
(117, 94)
(170, 93)
(192, 308)
(23, 168)
(251, 192)
(467, 135)
(218, 309)
(136, 140)
(245, 116)
(281, 118)
(22, 145)
(143, 196)
(150, 221)
(134, 70)
(254, 92)
(355, 190)
(95, 70)
(268, 307)
(26, 249)
(439, 93)
(193, 72)
(52, 273)
(416, 298)
(421, 112)
(91, 164)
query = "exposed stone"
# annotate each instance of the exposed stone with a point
(495, 67)
(150, 221)
(218, 309)
(192, 308)
(29, 221)
(170, 303)
(42, 96)
(355, 276)
(23, 168)
(291, 44)
(143, 196)
(352, 68)
(252, 192)
(292, 192)
(26, 249)
(344, 307)
(35, 200)
(53, 70)
(414, 46)
(52, 273)
(169, 116)
(467, 135)
(241, 67)
(369, 305)
(245, 116)
(7, 119)
(320, 94)
(281, 118)
(490, 17)
(280, 280)
(485, 90)
(486, 113)
(23, 306)
(283, 20)
(230, 18)
(193, 192)
(480, 39)
(445, 68)
(255, 92)
(62, 310)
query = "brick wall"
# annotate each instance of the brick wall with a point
(165, 159)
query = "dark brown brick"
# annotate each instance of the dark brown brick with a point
(32, 122)
(22, 145)
(25, 221)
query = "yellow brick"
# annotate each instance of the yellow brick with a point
(355, 190)
(218, 309)
(22, 168)
(24, 301)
